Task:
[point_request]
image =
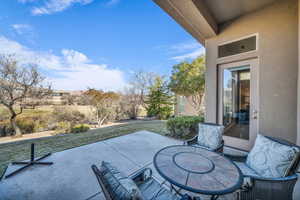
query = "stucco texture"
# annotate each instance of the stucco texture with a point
(277, 29)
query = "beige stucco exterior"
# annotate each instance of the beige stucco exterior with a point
(277, 29)
(298, 119)
(276, 24)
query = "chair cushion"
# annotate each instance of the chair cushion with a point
(271, 159)
(210, 135)
(152, 190)
(246, 170)
(119, 185)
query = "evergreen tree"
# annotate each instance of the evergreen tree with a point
(159, 100)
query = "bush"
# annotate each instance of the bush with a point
(62, 114)
(63, 127)
(26, 125)
(184, 127)
(32, 122)
(80, 128)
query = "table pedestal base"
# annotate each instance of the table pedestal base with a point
(32, 161)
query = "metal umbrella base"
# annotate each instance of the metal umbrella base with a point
(32, 161)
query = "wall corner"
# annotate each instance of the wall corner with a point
(298, 100)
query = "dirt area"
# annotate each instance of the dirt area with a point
(26, 136)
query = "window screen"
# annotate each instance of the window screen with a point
(237, 47)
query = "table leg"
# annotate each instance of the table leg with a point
(176, 191)
(214, 197)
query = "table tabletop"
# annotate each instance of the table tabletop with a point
(198, 170)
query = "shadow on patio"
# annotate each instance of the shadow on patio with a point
(70, 177)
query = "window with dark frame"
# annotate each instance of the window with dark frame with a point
(237, 47)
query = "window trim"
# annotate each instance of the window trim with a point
(236, 40)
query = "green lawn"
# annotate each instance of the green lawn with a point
(20, 150)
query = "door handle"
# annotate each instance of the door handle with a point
(255, 113)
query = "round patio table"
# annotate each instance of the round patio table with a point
(198, 170)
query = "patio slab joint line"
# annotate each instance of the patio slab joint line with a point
(122, 154)
(93, 195)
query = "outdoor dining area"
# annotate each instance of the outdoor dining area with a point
(146, 165)
(201, 166)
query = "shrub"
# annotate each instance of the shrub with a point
(184, 127)
(62, 114)
(80, 128)
(63, 127)
(26, 125)
(33, 121)
(41, 125)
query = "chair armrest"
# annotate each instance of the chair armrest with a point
(142, 175)
(236, 157)
(220, 148)
(191, 141)
(101, 183)
(186, 197)
(196, 198)
(284, 179)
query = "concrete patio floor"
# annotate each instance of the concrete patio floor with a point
(70, 177)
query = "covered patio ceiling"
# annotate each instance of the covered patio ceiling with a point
(202, 18)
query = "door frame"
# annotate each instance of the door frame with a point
(254, 102)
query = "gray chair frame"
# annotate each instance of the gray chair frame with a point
(269, 188)
(139, 177)
(194, 140)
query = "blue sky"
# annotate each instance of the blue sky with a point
(93, 43)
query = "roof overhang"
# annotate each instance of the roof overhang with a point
(193, 16)
(202, 18)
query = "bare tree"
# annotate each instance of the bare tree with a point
(18, 83)
(131, 102)
(136, 92)
(140, 84)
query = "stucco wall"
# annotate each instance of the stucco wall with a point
(277, 26)
(298, 120)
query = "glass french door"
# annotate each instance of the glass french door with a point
(238, 102)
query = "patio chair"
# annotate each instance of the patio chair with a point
(265, 181)
(140, 186)
(209, 137)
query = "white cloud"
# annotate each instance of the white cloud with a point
(112, 2)
(181, 47)
(88, 75)
(183, 51)
(45, 60)
(189, 56)
(71, 70)
(53, 6)
(74, 58)
(22, 28)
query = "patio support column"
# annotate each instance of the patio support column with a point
(298, 100)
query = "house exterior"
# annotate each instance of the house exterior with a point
(57, 97)
(184, 106)
(252, 61)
